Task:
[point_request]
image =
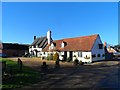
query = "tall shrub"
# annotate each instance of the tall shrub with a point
(56, 57)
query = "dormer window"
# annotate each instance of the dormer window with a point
(62, 44)
(52, 46)
(100, 46)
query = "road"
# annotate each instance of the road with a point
(99, 75)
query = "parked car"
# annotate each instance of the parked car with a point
(117, 54)
(3, 55)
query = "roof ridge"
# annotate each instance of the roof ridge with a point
(77, 37)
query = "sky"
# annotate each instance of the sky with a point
(23, 20)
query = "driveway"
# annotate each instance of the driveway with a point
(104, 74)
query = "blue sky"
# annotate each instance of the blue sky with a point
(22, 20)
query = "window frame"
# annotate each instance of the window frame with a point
(100, 46)
(79, 54)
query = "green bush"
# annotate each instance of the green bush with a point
(56, 56)
(69, 59)
(76, 61)
(50, 57)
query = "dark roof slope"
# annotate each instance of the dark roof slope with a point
(84, 43)
(41, 42)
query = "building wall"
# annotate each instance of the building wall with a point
(33, 52)
(95, 50)
(82, 58)
(86, 57)
(68, 54)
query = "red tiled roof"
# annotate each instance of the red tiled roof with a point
(84, 43)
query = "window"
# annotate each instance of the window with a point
(63, 44)
(100, 46)
(52, 46)
(103, 55)
(98, 55)
(93, 55)
(34, 46)
(79, 54)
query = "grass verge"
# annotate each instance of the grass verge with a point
(18, 79)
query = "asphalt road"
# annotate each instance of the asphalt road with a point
(99, 75)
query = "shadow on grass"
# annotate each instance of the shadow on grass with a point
(15, 78)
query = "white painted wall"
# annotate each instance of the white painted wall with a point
(38, 49)
(68, 54)
(84, 54)
(95, 50)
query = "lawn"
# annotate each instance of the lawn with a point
(18, 79)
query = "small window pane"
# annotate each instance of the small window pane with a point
(100, 46)
(79, 54)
